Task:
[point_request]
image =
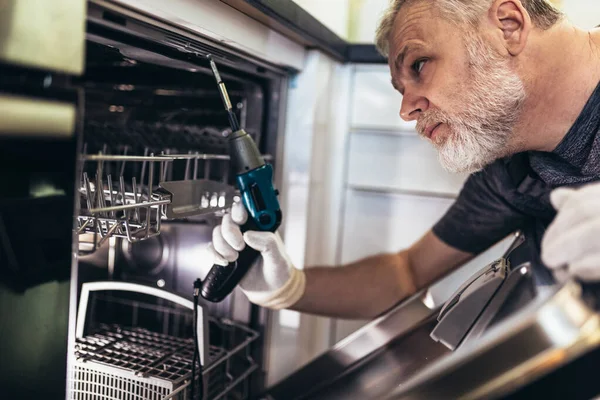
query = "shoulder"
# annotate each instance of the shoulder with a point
(483, 213)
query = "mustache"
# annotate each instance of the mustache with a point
(429, 118)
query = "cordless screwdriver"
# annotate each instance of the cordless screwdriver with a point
(254, 178)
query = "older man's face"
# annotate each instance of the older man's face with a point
(464, 96)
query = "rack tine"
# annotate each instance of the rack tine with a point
(162, 172)
(135, 199)
(99, 193)
(143, 174)
(196, 167)
(122, 170)
(187, 168)
(170, 167)
(122, 186)
(109, 233)
(99, 185)
(150, 180)
(158, 217)
(166, 169)
(127, 228)
(84, 225)
(88, 190)
(95, 238)
(112, 198)
(83, 152)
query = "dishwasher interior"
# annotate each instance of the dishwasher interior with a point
(153, 181)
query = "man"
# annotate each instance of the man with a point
(505, 89)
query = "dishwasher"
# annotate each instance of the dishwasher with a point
(94, 246)
(498, 336)
(155, 179)
(141, 179)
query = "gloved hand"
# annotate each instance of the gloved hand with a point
(272, 282)
(572, 241)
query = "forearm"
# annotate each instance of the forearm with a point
(363, 289)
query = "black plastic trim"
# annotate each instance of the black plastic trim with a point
(364, 54)
(302, 23)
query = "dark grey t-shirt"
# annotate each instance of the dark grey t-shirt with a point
(514, 193)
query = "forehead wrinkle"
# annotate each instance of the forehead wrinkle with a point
(408, 24)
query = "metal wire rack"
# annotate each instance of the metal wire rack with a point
(115, 362)
(133, 208)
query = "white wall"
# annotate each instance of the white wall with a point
(334, 14)
(583, 13)
(365, 15)
(356, 20)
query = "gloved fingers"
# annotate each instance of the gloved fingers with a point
(231, 233)
(576, 210)
(587, 268)
(222, 247)
(563, 247)
(261, 241)
(239, 213)
(216, 259)
(559, 196)
(254, 280)
(561, 275)
(276, 267)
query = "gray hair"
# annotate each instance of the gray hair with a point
(542, 13)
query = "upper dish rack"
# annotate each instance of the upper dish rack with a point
(157, 187)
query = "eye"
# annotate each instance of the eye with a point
(418, 65)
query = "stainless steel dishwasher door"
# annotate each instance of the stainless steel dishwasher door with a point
(553, 331)
(382, 372)
(373, 360)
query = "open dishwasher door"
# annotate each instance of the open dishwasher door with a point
(520, 342)
(549, 349)
(372, 361)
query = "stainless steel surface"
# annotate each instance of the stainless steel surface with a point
(518, 241)
(416, 314)
(136, 214)
(23, 116)
(390, 365)
(400, 361)
(543, 336)
(518, 286)
(464, 307)
(49, 35)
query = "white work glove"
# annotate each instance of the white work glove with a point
(272, 281)
(572, 241)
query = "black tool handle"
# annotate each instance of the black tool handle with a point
(221, 280)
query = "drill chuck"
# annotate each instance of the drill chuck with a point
(244, 153)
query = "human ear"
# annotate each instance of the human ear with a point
(512, 23)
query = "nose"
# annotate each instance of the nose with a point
(412, 106)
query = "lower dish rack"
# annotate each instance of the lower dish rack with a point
(117, 362)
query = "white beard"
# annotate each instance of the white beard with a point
(491, 106)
